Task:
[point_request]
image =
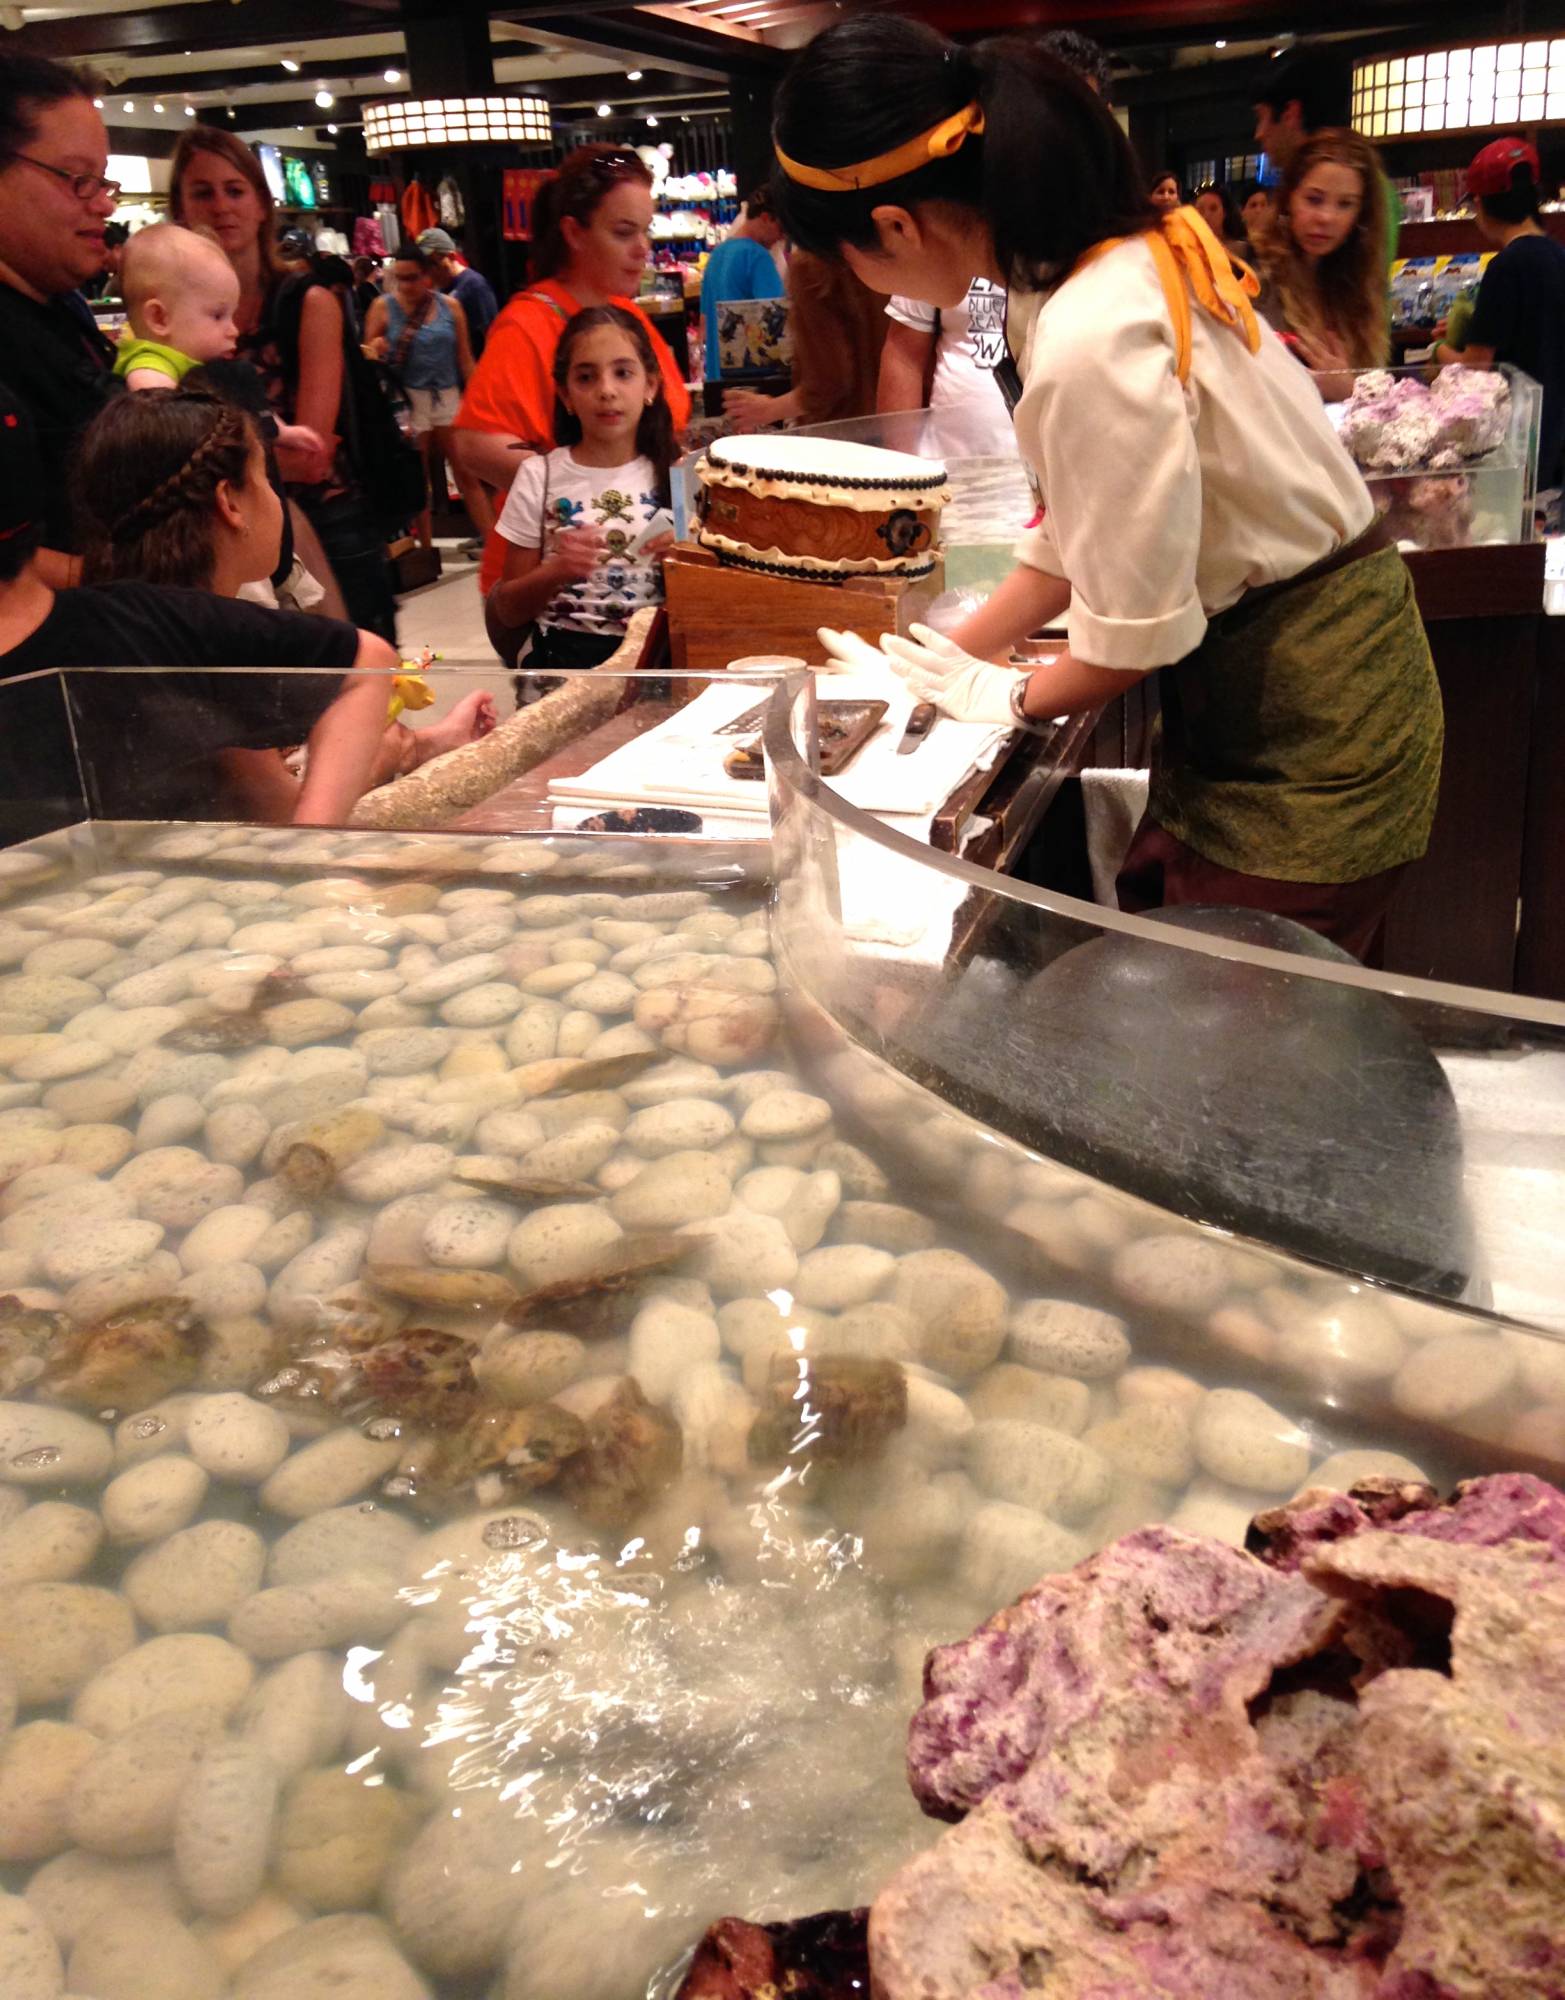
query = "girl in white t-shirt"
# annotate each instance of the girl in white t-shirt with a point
(587, 522)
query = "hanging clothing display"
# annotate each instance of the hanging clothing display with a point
(518, 193)
(367, 238)
(417, 210)
(448, 199)
(390, 227)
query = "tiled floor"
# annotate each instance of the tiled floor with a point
(447, 616)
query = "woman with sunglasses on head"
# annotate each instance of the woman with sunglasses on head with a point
(1198, 517)
(591, 240)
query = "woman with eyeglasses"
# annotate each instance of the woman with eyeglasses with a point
(591, 240)
(54, 204)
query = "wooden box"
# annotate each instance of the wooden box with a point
(718, 614)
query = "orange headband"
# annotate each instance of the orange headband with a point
(939, 144)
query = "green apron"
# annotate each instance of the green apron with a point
(1301, 739)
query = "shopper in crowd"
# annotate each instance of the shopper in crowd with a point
(1217, 208)
(838, 327)
(584, 525)
(163, 745)
(1307, 92)
(54, 205)
(471, 289)
(367, 287)
(1520, 313)
(1201, 519)
(106, 284)
(1323, 261)
(421, 335)
(741, 267)
(172, 492)
(1166, 194)
(1079, 52)
(295, 332)
(1255, 211)
(592, 237)
(181, 294)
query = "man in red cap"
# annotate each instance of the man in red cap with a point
(1520, 314)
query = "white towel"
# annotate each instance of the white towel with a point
(1112, 802)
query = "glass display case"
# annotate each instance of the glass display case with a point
(1435, 490)
(515, 1340)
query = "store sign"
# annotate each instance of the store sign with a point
(456, 121)
(1458, 90)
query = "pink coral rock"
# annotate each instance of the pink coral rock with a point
(1179, 1771)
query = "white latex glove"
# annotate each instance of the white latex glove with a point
(847, 653)
(936, 669)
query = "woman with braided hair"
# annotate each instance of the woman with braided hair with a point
(178, 514)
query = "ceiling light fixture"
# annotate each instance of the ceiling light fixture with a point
(402, 122)
(652, 118)
(289, 64)
(129, 105)
(393, 76)
(324, 98)
(633, 76)
(605, 110)
(1219, 44)
(190, 111)
(97, 104)
(333, 130)
(158, 109)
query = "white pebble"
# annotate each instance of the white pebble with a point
(40, 1446)
(1445, 1378)
(236, 1439)
(333, 1469)
(1245, 1442)
(665, 1341)
(468, 1234)
(785, 1114)
(843, 1275)
(49, 1542)
(30, 1966)
(154, 1499)
(199, 1576)
(223, 1831)
(1067, 1339)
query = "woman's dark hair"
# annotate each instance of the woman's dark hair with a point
(1233, 229)
(363, 268)
(410, 253)
(1165, 174)
(1519, 203)
(147, 473)
(655, 432)
(1089, 59)
(574, 193)
(1244, 191)
(27, 85)
(1051, 175)
(759, 202)
(233, 152)
(1318, 80)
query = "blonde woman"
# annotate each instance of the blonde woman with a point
(1324, 260)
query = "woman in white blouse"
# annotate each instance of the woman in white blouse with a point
(1197, 516)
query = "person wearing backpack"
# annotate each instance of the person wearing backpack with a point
(295, 333)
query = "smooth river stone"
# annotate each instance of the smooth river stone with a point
(1245, 1442)
(1049, 1471)
(1149, 1441)
(176, 1186)
(483, 1006)
(301, 1288)
(96, 1148)
(1063, 1338)
(223, 1828)
(226, 1236)
(326, 1473)
(156, 1498)
(56, 1636)
(169, 1121)
(1010, 1390)
(197, 1577)
(1006, 1549)
(54, 1057)
(389, 1172)
(361, 1539)
(844, 1275)
(403, 1051)
(39, 1765)
(30, 1964)
(518, 1367)
(680, 1124)
(958, 1307)
(740, 1253)
(680, 1188)
(236, 1439)
(1446, 1378)
(666, 1341)
(122, 1805)
(468, 1234)
(101, 1247)
(143, 1955)
(46, 1447)
(49, 1542)
(784, 1115)
(561, 1241)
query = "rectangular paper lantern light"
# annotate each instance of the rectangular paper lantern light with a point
(406, 122)
(1456, 90)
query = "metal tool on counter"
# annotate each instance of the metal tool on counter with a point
(919, 724)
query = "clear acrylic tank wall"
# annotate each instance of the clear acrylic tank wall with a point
(515, 1345)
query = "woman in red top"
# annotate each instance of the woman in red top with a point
(592, 237)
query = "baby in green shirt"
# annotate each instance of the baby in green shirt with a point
(181, 294)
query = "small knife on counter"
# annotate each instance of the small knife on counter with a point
(919, 724)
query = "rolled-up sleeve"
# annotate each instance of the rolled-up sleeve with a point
(1113, 441)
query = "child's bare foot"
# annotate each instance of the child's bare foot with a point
(472, 718)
